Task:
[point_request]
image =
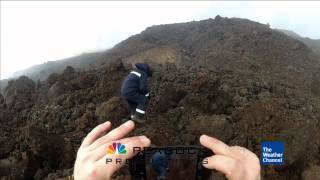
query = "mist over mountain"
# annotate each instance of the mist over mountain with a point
(42, 71)
(237, 80)
(313, 44)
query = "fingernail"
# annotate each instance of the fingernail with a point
(204, 137)
(207, 138)
(144, 140)
(128, 123)
(205, 162)
(211, 139)
(107, 123)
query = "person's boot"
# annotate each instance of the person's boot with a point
(139, 118)
(129, 117)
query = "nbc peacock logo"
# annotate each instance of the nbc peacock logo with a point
(117, 148)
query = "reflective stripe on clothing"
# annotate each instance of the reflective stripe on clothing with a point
(140, 111)
(136, 73)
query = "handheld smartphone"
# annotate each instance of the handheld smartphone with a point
(172, 162)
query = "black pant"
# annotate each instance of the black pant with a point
(138, 103)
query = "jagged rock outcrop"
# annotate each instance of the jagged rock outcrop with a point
(312, 172)
(18, 94)
(115, 109)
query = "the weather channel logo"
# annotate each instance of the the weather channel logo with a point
(117, 148)
(272, 153)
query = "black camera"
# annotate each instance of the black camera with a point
(172, 162)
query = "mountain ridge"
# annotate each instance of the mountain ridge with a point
(94, 59)
(314, 44)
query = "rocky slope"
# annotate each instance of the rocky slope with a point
(235, 79)
(3, 85)
(313, 44)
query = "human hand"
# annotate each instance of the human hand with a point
(92, 154)
(237, 163)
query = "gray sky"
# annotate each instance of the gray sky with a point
(36, 32)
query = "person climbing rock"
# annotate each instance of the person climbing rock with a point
(136, 92)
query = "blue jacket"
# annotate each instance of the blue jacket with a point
(160, 162)
(137, 81)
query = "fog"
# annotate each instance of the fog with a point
(36, 32)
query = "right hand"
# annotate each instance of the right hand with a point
(237, 163)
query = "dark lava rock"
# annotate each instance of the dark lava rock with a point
(298, 151)
(18, 93)
(57, 89)
(113, 110)
(312, 173)
(7, 145)
(52, 78)
(47, 146)
(68, 71)
(217, 126)
(1, 99)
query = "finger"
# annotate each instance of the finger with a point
(239, 151)
(130, 143)
(97, 132)
(217, 146)
(227, 165)
(113, 135)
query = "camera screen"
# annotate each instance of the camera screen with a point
(173, 162)
(171, 165)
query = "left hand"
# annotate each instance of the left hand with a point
(92, 154)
